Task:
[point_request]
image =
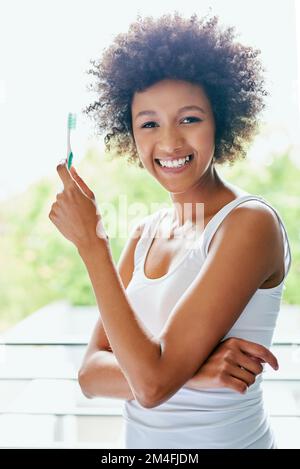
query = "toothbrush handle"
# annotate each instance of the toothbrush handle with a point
(70, 158)
(68, 143)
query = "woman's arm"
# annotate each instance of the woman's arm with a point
(156, 367)
(101, 375)
(231, 366)
(104, 377)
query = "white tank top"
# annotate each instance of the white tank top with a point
(212, 418)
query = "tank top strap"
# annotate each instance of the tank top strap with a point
(217, 219)
(150, 225)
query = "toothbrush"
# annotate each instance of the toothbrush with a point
(71, 126)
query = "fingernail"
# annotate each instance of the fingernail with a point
(63, 161)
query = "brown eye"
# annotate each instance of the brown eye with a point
(147, 123)
(195, 119)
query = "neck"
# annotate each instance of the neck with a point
(193, 205)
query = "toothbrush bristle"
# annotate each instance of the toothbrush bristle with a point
(71, 121)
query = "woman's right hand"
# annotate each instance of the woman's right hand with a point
(234, 364)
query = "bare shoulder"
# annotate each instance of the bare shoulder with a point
(263, 220)
(252, 218)
(255, 210)
(255, 226)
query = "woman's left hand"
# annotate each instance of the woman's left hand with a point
(233, 364)
(75, 212)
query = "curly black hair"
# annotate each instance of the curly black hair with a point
(172, 47)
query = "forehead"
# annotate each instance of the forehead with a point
(170, 93)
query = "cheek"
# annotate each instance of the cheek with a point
(143, 147)
(138, 141)
(206, 139)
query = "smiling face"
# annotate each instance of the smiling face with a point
(171, 120)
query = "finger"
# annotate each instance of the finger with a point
(249, 363)
(59, 195)
(65, 174)
(259, 351)
(243, 375)
(81, 183)
(255, 359)
(52, 214)
(236, 384)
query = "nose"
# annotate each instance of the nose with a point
(170, 141)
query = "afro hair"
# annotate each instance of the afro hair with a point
(197, 50)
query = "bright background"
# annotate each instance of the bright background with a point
(47, 306)
(45, 48)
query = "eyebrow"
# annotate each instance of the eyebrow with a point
(184, 108)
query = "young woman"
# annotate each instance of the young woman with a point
(188, 316)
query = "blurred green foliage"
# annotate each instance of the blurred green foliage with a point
(40, 266)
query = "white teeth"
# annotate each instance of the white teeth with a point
(175, 163)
